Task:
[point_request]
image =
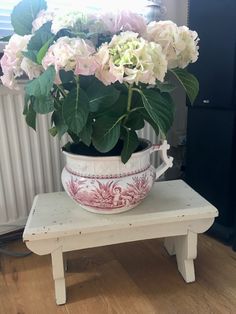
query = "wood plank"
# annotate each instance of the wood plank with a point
(137, 277)
(56, 215)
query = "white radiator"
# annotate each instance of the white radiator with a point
(30, 162)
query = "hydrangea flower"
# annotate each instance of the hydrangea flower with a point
(12, 59)
(114, 22)
(179, 44)
(43, 17)
(31, 69)
(76, 21)
(71, 54)
(129, 58)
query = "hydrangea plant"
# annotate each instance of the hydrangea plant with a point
(99, 76)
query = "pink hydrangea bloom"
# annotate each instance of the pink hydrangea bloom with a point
(123, 21)
(12, 58)
(103, 72)
(43, 17)
(71, 54)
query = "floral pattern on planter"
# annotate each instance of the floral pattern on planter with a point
(109, 194)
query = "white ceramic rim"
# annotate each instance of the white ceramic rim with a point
(104, 158)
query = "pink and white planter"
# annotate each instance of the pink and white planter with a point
(105, 185)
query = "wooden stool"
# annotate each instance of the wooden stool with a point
(173, 210)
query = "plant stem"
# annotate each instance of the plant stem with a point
(77, 84)
(61, 90)
(129, 103)
(130, 93)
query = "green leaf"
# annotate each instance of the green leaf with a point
(150, 121)
(39, 43)
(135, 120)
(41, 86)
(66, 76)
(106, 132)
(27, 99)
(165, 87)
(74, 137)
(31, 54)
(43, 50)
(43, 105)
(188, 81)
(86, 134)
(159, 107)
(53, 131)
(75, 110)
(101, 97)
(131, 142)
(5, 38)
(118, 109)
(59, 123)
(30, 117)
(85, 81)
(24, 13)
(40, 37)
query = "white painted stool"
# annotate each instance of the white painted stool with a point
(172, 210)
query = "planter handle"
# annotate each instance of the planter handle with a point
(167, 162)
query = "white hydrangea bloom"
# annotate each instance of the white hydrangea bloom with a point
(43, 17)
(31, 69)
(129, 58)
(187, 47)
(73, 20)
(12, 59)
(179, 44)
(70, 54)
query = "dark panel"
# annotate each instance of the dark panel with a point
(215, 22)
(210, 158)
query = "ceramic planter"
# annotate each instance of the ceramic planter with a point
(105, 185)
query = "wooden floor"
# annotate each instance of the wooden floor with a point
(136, 277)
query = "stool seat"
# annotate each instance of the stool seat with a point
(172, 210)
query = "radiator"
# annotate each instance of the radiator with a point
(30, 162)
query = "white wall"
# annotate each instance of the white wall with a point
(177, 11)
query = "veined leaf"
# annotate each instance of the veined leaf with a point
(5, 38)
(43, 105)
(100, 96)
(59, 122)
(30, 117)
(75, 110)
(30, 54)
(159, 107)
(40, 37)
(188, 81)
(86, 133)
(106, 132)
(135, 120)
(41, 86)
(149, 120)
(43, 50)
(24, 13)
(165, 87)
(131, 142)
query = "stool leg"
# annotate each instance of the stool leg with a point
(58, 276)
(65, 263)
(169, 244)
(186, 252)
